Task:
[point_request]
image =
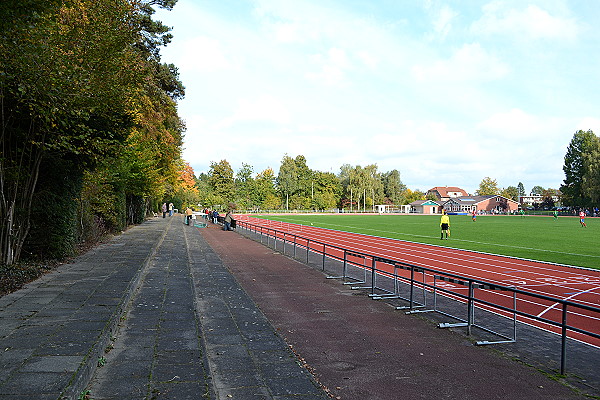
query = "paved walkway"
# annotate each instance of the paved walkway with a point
(167, 311)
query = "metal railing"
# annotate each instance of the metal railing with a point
(434, 282)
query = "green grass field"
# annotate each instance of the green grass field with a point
(561, 241)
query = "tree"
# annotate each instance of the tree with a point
(413, 195)
(304, 177)
(591, 179)
(393, 188)
(186, 193)
(548, 196)
(66, 75)
(361, 184)
(220, 179)
(575, 169)
(244, 186)
(287, 179)
(521, 189)
(511, 192)
(326, 190)
(537, 190)
(488, 186)
(264, 193)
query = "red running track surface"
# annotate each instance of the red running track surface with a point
(578, 285)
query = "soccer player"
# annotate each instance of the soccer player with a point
(582, 219)
(474, 215)
(445, 225)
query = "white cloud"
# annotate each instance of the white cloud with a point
(512, 125)
(264, 108)
(343, 82)
(287, 32)
(470, 63)
(203, 54)
(442, 18)
(331, 67)
(531, 22)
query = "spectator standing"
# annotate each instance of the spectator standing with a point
(188, 215)
(227, 221)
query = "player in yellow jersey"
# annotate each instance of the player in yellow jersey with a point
(445, 225)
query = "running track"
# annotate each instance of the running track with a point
(574, 284)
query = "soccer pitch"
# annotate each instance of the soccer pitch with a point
(561, 241)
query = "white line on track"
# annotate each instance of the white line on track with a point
(568, 298)
(538, 275)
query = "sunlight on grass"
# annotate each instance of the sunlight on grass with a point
(561, 241)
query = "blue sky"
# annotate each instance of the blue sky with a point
(446, 92)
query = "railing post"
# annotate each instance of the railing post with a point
(412, 286)
(323, 256)
(470, 308)
(307, 250)
(345, 266)
(563, 351)
(373, 264)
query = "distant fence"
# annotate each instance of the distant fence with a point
(474, 293)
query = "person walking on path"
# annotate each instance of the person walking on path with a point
(582, 219)
(227, 221)
(164, 209)
(171, 209)
(188, 215)
(445, 225)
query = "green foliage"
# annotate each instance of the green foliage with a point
(245, 187)
(590, 184)
(220, 179)
(575, 169)
(511, 192)
(264, 193)
(413, 195)
(287, 179)
(359, 183)
(393, 188)
(521, 189)
(54, 217)
(488, 186)
(81, 84)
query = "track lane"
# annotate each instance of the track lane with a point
(558, 281)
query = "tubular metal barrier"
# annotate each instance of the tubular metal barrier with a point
(436, 282)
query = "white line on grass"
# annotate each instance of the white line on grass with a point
(453, 239)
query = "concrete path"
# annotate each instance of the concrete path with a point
(168, 311)
(151, 315)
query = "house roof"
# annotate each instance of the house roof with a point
(443, 190)
(424, 203)
(470, 200)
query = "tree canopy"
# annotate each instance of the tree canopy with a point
(580, 186)
(488, 186)
(83, 92)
